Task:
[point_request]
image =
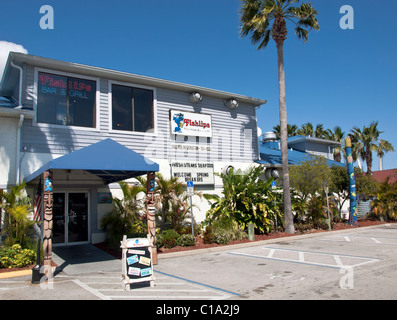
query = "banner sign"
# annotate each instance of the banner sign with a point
(190, 124)
(197, 172)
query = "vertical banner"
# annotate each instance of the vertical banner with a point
(150, 209)
(48, 220)
(352, 183)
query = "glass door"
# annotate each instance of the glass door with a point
(70, 217)
(77, 217)
(58, 216)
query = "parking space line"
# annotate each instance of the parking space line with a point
(91, 290)
(198, 283)
(302, 259)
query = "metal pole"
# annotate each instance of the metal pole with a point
(191, 211)
(329, 219)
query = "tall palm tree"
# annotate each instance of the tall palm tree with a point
(382, 147)
(365, 142)
(256, 18)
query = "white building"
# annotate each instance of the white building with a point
(50, 108)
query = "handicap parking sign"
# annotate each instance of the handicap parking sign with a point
(274, 184)
(190, 188)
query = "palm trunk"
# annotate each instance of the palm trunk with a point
(288, 217)
(368, 160)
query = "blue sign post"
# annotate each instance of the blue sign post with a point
(352, 184)
(190, 193)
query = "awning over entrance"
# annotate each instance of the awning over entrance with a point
(107, 159)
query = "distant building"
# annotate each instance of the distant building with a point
(299, 147)
(381, 176)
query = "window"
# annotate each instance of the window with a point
(132, 109)
(66, 101)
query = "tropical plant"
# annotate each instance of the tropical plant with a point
(384, 204)
(256, 18)
(364, 142)
(17, 207)
(291, 128)
(246, 199)
(336, 135)
(306, 130)
(382, 147)
(170, 198)
(127, 217)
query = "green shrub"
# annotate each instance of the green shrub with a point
(16, 257)
(222, 237)
(168, 239)
(208, 235)
(187, 240)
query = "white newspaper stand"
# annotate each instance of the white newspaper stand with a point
(137, 263)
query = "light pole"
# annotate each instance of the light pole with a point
(328, 221)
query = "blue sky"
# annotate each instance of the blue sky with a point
(340, 77)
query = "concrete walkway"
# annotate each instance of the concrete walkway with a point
(78, 259)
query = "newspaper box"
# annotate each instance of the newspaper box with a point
(137, 264)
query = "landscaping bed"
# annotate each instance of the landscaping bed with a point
(259, 237)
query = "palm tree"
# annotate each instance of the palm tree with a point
(338, 136)
(306, 130)
(320, 132)
(256, 17)
(364, 142)
(168, 192)
(291, 129)
(382, 147)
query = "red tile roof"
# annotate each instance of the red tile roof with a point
(381, 176)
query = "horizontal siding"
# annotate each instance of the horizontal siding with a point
(227, 143)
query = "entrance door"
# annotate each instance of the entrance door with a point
(70, 214)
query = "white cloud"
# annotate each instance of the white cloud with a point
(5, 48)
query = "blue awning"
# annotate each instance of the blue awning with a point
(107, 159)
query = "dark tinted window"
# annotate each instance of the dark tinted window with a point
(66, 101)
(132, 109)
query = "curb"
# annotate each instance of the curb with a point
(21, 273)
(13, 274)
(262, 242)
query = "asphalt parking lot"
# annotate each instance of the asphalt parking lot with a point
(351, 264)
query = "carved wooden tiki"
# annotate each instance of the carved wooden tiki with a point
(48, 219)
(150, 209)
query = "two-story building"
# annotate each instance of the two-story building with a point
(93, 127)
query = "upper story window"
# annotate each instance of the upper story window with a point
(132, 108)
(67, 101)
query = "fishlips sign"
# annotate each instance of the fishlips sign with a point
(190, 124)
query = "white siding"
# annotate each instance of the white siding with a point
(227, 143)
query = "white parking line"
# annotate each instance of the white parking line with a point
(319, 259)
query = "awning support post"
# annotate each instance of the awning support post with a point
(150, 209)
(48, 222)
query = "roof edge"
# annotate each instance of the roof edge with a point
(37, 61)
